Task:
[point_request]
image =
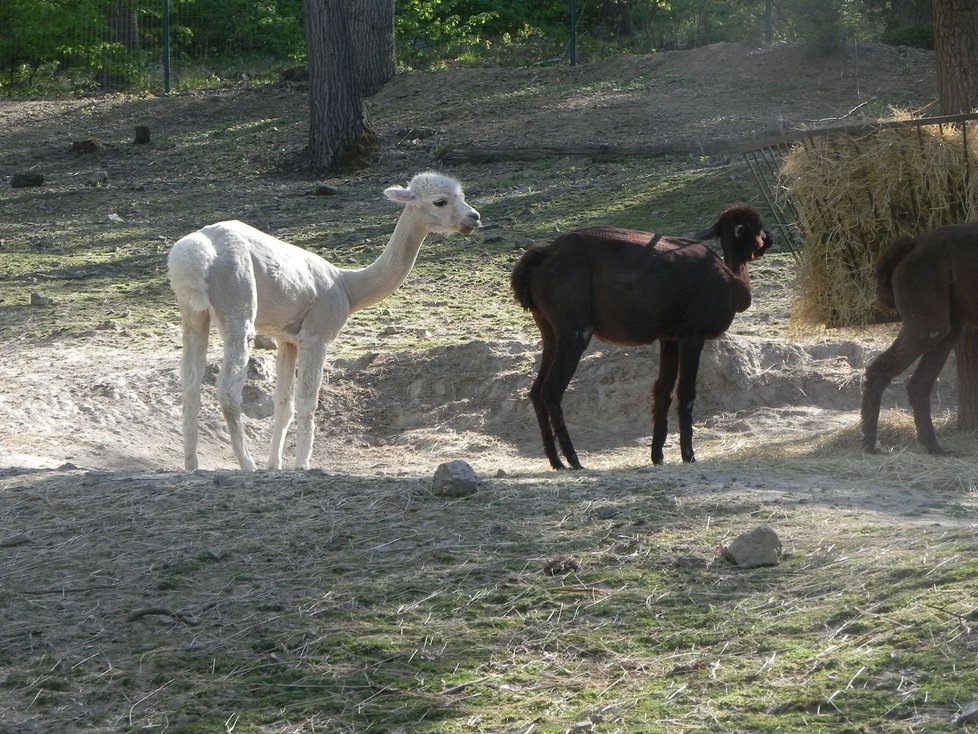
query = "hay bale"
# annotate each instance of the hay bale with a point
(855, 193)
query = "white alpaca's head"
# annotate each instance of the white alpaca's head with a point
(439, 200)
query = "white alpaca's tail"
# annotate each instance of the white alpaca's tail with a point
(188, 263)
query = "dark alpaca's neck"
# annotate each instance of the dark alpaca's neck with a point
(740, 286)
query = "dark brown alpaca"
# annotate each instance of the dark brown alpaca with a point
(627, 287)
(932, 281)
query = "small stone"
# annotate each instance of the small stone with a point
(26, 180)
(96, 180)
(38, 300)
(966, 714)
(14, 540)
(324, 189)
(108, 325)
(758, 547)
(264, 342)
(90, 145)
(455, 479)
(216, 552)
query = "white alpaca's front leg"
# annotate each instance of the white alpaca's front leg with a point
(285, 362)
(312, 357)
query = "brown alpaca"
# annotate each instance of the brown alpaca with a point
(931, 281)
(627, 287)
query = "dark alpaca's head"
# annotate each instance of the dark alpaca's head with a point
(741, 233)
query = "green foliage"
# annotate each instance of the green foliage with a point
(75, 46)
(79, 45)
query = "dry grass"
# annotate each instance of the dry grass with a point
(855, 194)
(303, 602)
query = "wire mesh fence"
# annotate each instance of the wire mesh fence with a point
(156, 45)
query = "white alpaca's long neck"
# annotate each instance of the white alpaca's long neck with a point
(369, 285)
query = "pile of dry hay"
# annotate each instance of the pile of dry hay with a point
(855, 192)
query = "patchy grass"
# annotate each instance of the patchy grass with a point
(385, 609)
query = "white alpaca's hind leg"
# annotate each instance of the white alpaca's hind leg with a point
(312, 357)
(284, 401)
(193, 362)
(230, 383)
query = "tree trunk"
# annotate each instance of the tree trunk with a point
(618, 17)
(373, 39)
(123, 25)
(956, 50)
(907, 13)
(338, 123)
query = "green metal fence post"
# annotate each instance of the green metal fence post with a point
(573, 32)
(166, 46)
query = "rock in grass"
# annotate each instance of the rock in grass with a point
(26, 180)
(455, 479)
(758, 547)
(966, 714)
(324, 189)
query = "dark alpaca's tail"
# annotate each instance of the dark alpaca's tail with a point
(885, 266)
(523, 274)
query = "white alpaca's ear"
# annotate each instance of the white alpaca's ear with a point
(401, 195)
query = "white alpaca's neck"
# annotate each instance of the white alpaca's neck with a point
(369, 285)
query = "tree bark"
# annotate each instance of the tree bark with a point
(123, 25)
(956, 51)
(373, 39)
(351, 55)
(335, 101)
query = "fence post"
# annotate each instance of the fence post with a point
(573, 32)
(166, 46)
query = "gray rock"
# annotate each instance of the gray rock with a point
(25, 180)
(758, 547)
(455, 479)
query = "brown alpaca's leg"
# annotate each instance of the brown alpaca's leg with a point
(662, 396)
(543, 417)
(689, 366)
(919, 389)
(567, 355)
(880, 372)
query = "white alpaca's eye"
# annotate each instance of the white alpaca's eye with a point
(440, 202)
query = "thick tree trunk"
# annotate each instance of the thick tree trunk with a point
(124, 25)
(956, 47)
(351, 55)
(336, 111)
(618, 16)
(373, 39)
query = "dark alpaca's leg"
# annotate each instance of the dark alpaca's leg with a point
(543, 416)
(880, 372)
(689, 366)
(662, 395)
(567, 355)
(919, 389)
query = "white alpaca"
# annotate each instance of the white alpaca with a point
(249, 281)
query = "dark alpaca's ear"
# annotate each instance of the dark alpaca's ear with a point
(738, 231)
(706, 234)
